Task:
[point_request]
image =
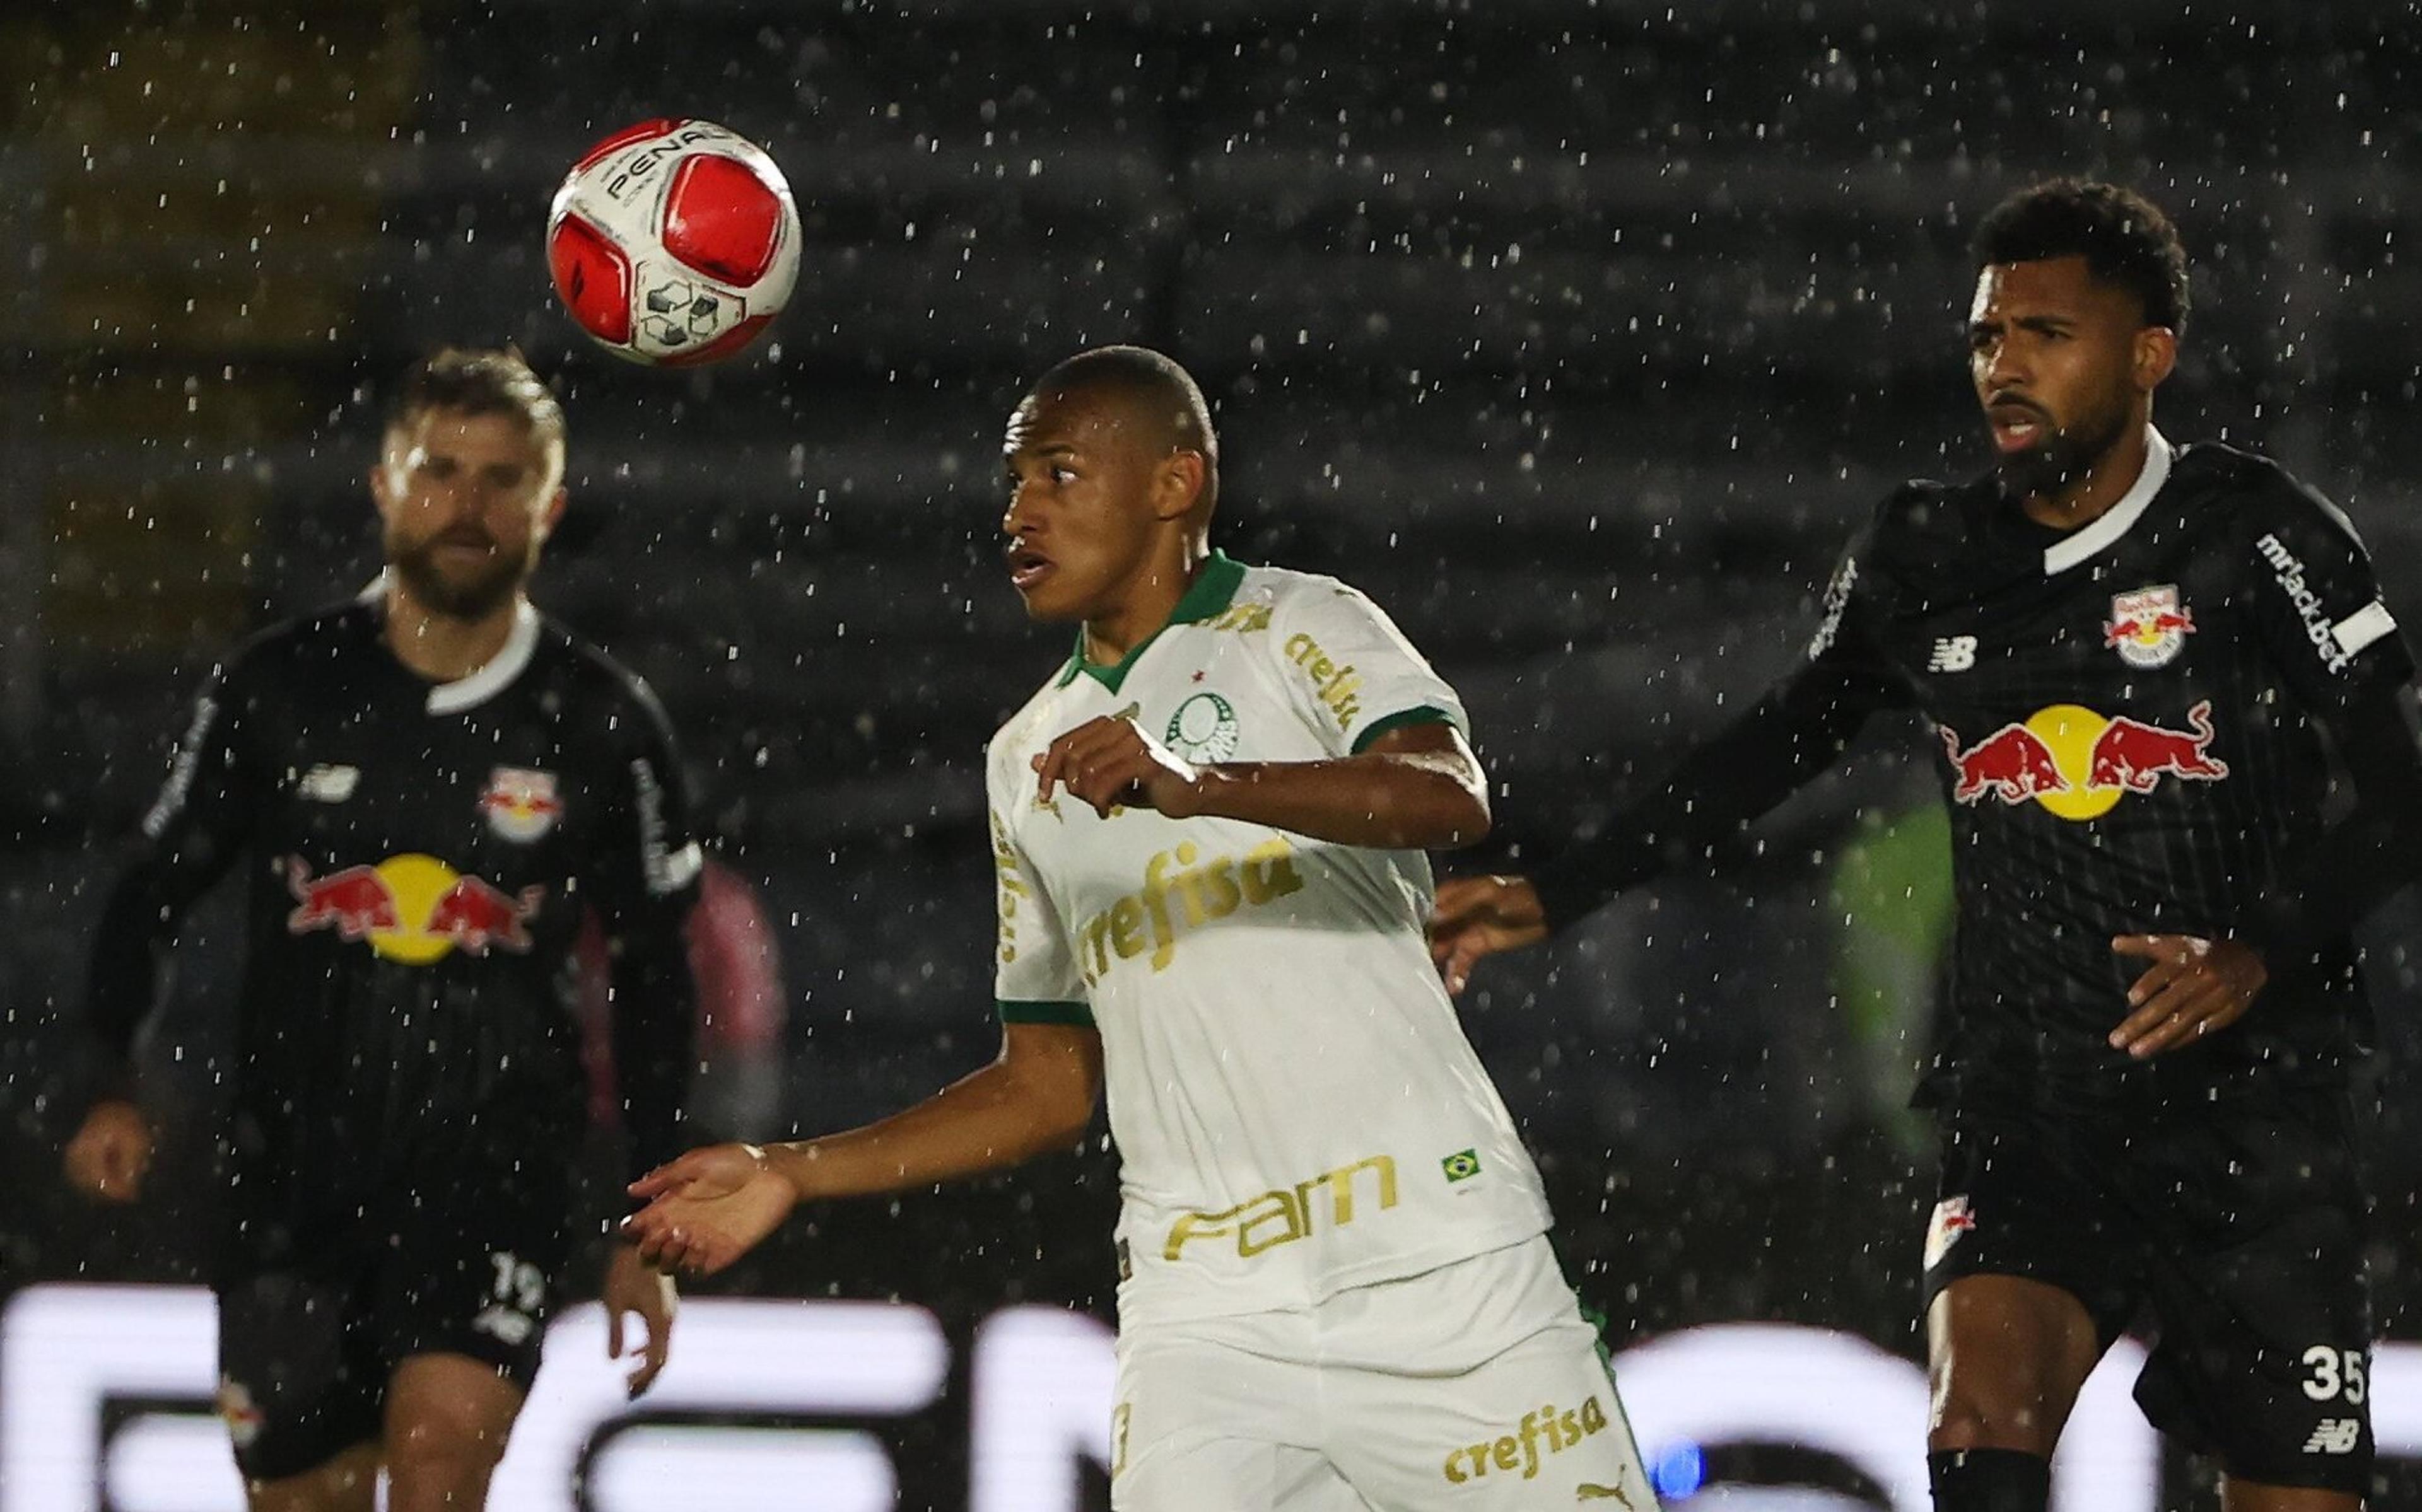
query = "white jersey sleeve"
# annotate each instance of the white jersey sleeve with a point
(1035, 975)
(1349, 673)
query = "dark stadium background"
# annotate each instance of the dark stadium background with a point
(1579, 333)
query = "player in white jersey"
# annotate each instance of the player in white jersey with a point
(1335, 1291)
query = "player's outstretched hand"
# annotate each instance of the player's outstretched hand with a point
(110, 1153)
(633, 1289)
(2193, 987)
(1109, 762)
(707, 1208)
(1479, 916)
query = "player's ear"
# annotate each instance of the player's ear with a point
(2157, 355)
(381, 481)
(1178, 485)
(551, 512)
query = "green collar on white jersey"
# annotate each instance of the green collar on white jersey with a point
(1212, 591)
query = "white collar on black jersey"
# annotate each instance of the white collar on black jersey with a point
(521, 642)
(2115, 521)
(510, 660)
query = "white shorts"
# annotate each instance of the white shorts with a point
(1477, 1385)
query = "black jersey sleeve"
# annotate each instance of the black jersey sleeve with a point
(192, 834)
(1797, 729)
(2336, 646)
(2316, 606)
(648, 881)
(2340, 875)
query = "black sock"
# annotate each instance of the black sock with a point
(1990, 1480)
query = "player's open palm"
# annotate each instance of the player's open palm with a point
(708, 1208)
(1478, 916)
(2193, 987)
(109, 1154)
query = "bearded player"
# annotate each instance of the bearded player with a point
(2137, 661)
(1335, 1290)
(426, 791)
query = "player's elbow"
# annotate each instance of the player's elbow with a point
(1057, 1075)
(1059, 1109)
(1068, 1128)
(1435, 790)
(1462, 820)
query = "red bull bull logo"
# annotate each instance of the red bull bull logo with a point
(521, 804)
(355, 902)
(2078, 763)
(2013, 764)
(2148, 627)
(412, 909)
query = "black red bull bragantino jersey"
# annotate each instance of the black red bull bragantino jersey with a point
(418, 859)
(2132, 722)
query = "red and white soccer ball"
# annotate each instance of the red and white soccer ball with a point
(673, 243)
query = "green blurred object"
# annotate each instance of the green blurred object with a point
(1890, 882)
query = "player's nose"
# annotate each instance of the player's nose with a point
(492, 508)
(1018, 519)
(456, 500)
(2002, 370)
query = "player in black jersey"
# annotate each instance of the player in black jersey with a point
(2138, 663)
(426, 791)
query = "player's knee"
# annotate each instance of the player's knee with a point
(440, 1475)
(347, 1482)
(1977, 1425)
(1981, 1411)
(439, 1447)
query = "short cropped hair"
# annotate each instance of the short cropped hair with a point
(465, 380)
(2124, 238)
(1155, 381)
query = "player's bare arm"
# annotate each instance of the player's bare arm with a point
(710, 1207)
(1797, 730)
(1415, 788)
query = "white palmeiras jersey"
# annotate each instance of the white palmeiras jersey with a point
(1296, 1108)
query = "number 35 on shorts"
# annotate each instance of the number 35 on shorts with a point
(2337, 1374)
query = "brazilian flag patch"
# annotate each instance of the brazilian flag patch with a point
(1461, 1166)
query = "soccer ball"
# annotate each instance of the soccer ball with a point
(673, 243)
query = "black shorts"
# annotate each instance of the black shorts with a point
(2240, 1224)
(470, 1267)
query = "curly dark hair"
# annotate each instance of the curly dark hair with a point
(2124, 238)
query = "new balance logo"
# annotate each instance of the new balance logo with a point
(2335, 1436)
(1953, 653)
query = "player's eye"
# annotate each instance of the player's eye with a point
(1062, 474)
